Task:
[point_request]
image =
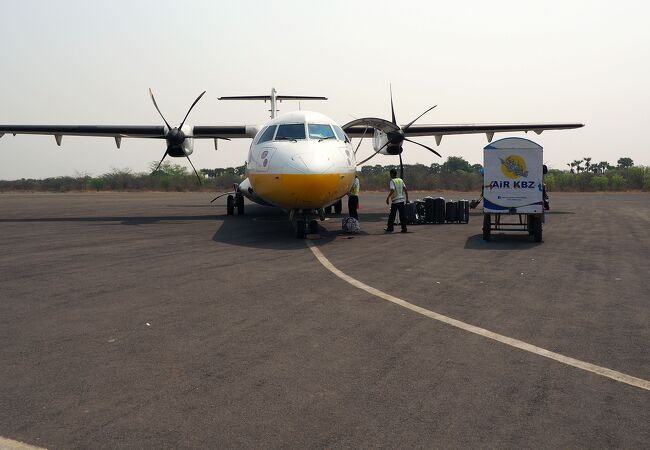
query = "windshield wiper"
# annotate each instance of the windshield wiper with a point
(285, 138)
(323, 138)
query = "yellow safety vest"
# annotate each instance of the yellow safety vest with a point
(354, 190)
(399, 189)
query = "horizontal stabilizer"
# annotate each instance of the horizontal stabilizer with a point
(268, 97)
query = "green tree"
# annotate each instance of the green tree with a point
(168, 168)
(617, 182)
(455, 163)
(600, 182)
(625, 162)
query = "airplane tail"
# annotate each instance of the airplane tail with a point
(273, 98)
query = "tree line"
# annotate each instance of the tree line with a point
(454, 174)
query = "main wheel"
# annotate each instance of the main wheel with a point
(338, 207)
(328, 210)
(300, 229)
(537, 230)
(230, 205)
(486, 227)
(240, 204)
(530, 225)
(313, 227)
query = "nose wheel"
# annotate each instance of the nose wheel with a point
(304, 224)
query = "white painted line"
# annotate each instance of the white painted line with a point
(598, 370)
(8, 444)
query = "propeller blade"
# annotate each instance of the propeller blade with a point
(158, 109)
(392, 110)
(374, 154)
(360, 141)
(189, 110)
(401, 167)
(368, 158)
(158, 166)
(413, 121)
(221, 195)
(422, 145)
(195, 172)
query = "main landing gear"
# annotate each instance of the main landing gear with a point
(235, 201)
(305, 222)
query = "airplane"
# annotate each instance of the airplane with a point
(301, 161)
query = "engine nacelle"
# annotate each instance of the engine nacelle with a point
(180, 142)
(380, 142)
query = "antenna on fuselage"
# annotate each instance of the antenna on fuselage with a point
(273, 98)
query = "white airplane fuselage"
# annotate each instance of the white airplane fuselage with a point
(300, 160)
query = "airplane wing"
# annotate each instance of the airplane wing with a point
(362, 127)
(129, 131)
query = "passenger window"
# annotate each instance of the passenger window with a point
(290, 131)
(320, 131)
(267, 135)
(341, 134)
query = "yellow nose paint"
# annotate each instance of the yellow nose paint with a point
(301, 190)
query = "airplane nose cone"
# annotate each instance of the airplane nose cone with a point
(300, 190)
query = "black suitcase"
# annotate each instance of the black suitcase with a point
(420, 209)
(450, 212)
(462, 211)
(428, 209)
(439, 210)
(411, 213)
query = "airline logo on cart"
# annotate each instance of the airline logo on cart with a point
(506, 184)
(514, 167)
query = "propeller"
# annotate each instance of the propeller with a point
(175, 137)
(397, 136)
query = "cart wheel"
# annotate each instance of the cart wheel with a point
(537, 230)
(486, 227)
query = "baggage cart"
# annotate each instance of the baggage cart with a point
(513, 187)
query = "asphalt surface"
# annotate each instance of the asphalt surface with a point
(150, 320)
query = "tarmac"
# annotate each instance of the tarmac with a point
(153, 320)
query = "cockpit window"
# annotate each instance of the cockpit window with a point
(267, 134)
(340, 133)
(290, 131)
(320, 131)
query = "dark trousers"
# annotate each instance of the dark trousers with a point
(353, 204)
(394, 207)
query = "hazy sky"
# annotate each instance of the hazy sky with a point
(86, 62)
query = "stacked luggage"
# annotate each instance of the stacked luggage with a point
(415, 212)
(437, 210)
(462, 211)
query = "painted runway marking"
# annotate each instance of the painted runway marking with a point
(598, 370)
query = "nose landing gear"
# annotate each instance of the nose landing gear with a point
(304, 223)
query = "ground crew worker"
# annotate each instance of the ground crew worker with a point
(353, 198)
(398, 196)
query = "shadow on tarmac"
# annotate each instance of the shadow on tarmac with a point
(124, 220)
(269, 228)
(501, 241)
